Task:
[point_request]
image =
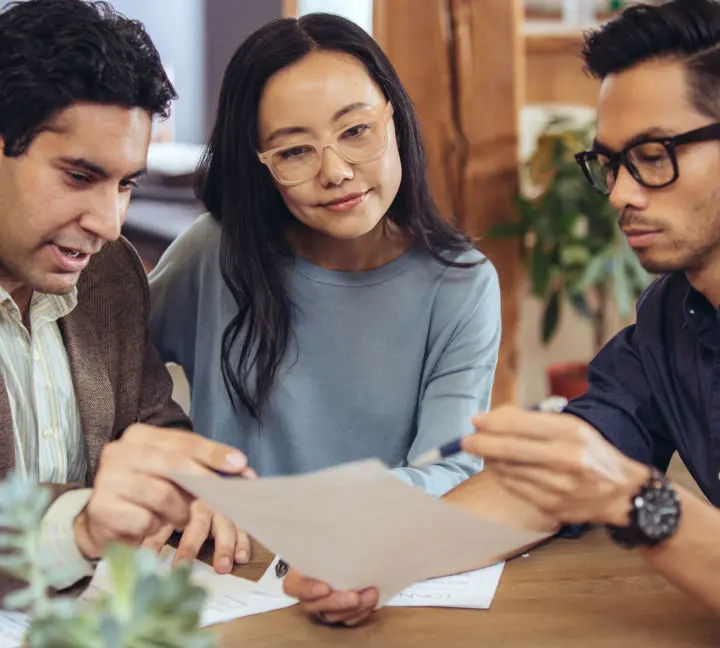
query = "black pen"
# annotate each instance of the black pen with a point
(552, 404)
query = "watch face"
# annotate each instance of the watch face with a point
(658, 513)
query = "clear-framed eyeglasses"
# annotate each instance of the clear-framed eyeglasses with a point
(652, 162)
(360, 141)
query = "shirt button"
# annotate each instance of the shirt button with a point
(692, 311)
(36, 355)
(48, 433)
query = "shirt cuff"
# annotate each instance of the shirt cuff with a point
(439, 478)
(57, 538)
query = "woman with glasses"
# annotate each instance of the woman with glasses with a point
(322, 310)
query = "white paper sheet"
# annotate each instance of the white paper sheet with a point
(271, 582)
(13, 626)
(228, 597)
(356, 526)
(474, 590)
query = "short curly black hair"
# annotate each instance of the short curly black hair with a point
(54, 53)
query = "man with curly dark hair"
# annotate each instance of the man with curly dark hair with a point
(84, 398)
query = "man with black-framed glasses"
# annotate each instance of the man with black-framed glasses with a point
(651, 158)
(655, 387)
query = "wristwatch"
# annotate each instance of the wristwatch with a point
(654, 514)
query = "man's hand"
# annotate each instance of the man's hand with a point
(318, 599)
(558, 463)
(232, 545)
(133, 498)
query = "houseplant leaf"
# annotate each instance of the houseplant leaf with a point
(504, 230)
(595, 271)
(169, 608)
(579, 303)
(571, 235)
(540, 271)
(574, 254)
(19, 599)
(551, 317)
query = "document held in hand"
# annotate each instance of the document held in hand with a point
(356, 526)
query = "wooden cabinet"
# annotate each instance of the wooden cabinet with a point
(554, 67)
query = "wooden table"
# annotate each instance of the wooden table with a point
(581, 593)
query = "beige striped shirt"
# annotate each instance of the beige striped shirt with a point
(49, 445)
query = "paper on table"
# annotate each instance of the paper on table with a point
(356, 526)
(228, 597)
(13, 626)
(272, 580)
(474, 590)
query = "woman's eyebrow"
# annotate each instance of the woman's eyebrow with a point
(298, 130)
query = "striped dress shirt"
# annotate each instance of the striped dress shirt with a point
(48, 436)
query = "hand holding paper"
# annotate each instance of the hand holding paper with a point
(357, 526)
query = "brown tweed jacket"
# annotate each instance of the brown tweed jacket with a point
(118, 376)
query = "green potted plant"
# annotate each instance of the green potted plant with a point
(147, 609)
(573, 250)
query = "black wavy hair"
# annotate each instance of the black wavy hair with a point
(684, 30)
(54, 53)
(238, 191)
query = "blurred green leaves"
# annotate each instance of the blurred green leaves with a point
(147, 610)
(573, 249)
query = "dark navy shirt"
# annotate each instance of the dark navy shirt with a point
(655, 387)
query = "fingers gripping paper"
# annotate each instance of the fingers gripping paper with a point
(357, 526)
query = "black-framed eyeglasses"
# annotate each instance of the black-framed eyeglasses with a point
(652, 162)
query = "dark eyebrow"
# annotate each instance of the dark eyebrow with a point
(96, 169)
(296, 130)
(649, 134)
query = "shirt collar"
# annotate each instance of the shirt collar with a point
(701, 317)
(696, 307)
(43, 306)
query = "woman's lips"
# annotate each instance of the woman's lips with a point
(347, 202)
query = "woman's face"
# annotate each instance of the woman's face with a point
(324, 94)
